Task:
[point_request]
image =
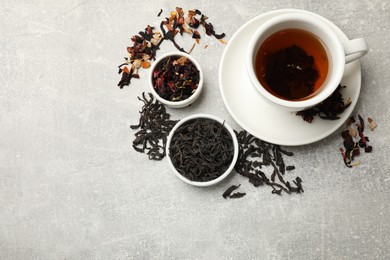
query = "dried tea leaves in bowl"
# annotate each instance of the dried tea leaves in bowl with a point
(175, 78)
(201, 150)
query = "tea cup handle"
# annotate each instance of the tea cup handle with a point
(355, 49)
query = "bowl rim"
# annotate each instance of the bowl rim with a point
(235, 146)
(181, 103)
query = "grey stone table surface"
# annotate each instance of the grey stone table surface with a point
(72, 186)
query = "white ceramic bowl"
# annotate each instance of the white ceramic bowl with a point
(231, 166)
(181, 103)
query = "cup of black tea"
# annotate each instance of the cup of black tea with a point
(295, 61)
(202, 150)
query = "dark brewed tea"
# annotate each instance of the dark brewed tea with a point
(292, 64)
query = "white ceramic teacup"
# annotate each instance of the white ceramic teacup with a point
(338, 55)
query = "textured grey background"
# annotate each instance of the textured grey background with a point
(71, 186)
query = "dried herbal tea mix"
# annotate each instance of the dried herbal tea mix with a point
(175, 78)
(255, 155)
(329, 109)
(201, 149)
(147, 42)
(355, 140)
(154, 125)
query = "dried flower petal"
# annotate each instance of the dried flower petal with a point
(126, 70)
(145, 64)
(180, 61)
(137, 63)
(352, 131)
(329, 109)
(372, 124)
(354, 139)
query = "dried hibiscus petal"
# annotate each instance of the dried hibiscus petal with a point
(352, 143)
(371, 124)
(329, 109)
(145, 64)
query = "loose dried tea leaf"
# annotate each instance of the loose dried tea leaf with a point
(237, 195)
(229, 191)
(159, 13)
(201, 149)
(254, 154)
(290, 168)
(353, 140)
(154, 125)
(329, 109)
(147, 43)
(175, 78)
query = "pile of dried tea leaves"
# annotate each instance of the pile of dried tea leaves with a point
(255, 154)
(175, 78)
(147, 42)
(354, 140)
(155, 125)
(329, 109)
(201, 149)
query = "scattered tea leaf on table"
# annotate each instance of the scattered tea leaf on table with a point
(155, 125)
(255, 154)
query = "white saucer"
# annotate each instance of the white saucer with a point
(262, 119)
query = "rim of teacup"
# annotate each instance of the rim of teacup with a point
(323, 32)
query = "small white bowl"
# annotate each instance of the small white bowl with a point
(232, 164)
(181, 103)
